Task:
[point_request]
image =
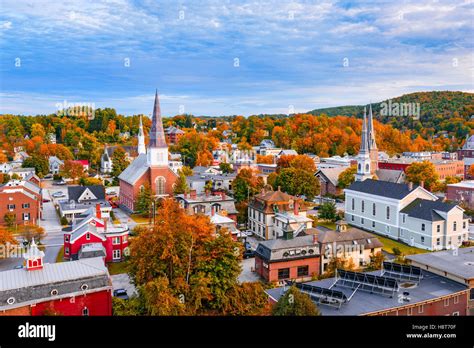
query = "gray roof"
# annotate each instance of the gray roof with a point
(382, 188)
(332, 174)
(135, 170)
(431, 286)
(461, 265)
(287, 152)
(426, 210)
(273, 250)
(74, 192)
(396, 176)
(52, 273)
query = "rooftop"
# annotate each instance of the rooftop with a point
(431, 286)
(382, 188)
(464, 184)
(461, 265)
(427, 210)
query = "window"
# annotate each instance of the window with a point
(160, 185)
(373, 209)
(26, 216)
(421, 308)
(454, 226)
(363, 206)
(352, 217)
(85, 311)
(464, 224)
(11, 206)
(422, 227)
(422, 240)
(362, 221)
(438, 228)
(125, 239)
(388, 213)
(455, 314)
(373, 224)
(88, 236)
(283, 273)
(66, 251)
(456, 299)
(353, 204)
(25, 205)
(116, 240)
(403, 217)
(303, 271)
(438, 241)
(446, 302)
(117, 254)
(410, 311)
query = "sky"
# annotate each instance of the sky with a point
(213, 57)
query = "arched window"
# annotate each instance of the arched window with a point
(217, 207)
(160, 185)
(142, 188)
(388, 213)
(367, 167)
(359, 167)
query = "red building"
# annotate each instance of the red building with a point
(462, 193)
(94, 236)
(21, 201)
(444, 168)
(298, 258)
(173, 135)
(68, 288)
(151, 167)
(83, 163)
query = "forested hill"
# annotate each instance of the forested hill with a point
(439, 111)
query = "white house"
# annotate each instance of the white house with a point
(403, 212)
(55, 164)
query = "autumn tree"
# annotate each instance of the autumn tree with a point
(295, 303)
(6, 236)
(268, 159)
(336, 263)
(246, 184)
(346, 177)
(284, 161)
(376, 261)
(303, 162)
(422, 173)
(119, 161)
(72, 170)
(181, 267)
(3, 158)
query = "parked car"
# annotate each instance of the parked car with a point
(48, 176)
(112, 193)
(248, 233)
(247, 246)
(249, 253)
(121, 293)
(18, 267)
(45, 200)
(58, 194)
(61, 182)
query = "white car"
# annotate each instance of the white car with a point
(58, 194)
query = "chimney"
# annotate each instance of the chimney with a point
(213, 210)
(410, 186)
(98, 212)
(185, 194)
(315, 239)
(296, 208)
(193, 194)
(207, 193)
(422, 184)
(223, 196)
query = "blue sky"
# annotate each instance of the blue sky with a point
(291, 55)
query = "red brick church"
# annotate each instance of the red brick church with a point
(150, 167)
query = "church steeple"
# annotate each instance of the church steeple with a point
(141, 139)
(157, 152)
(363, 159)
(371, 131)
(34, 257)
(157, 134)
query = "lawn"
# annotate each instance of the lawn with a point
(389, 244)
(60, 257)
(140, 219)
(117, 267)
(328, 224)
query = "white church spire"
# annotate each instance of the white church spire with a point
(141, 139)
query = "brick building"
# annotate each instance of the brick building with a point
(444, 168)
(148, 169)
(376, 294)
(206, 203)
(462, 193)
(75, 288)
(21, 200)
(173, 135)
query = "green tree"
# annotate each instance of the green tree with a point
(9, 219)
(181, 184)
(225, 167)
(295, 303)
(144, 200)
(40, 164)
(119, 161)
(346, 177)
(327, 211)
(298, 182)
